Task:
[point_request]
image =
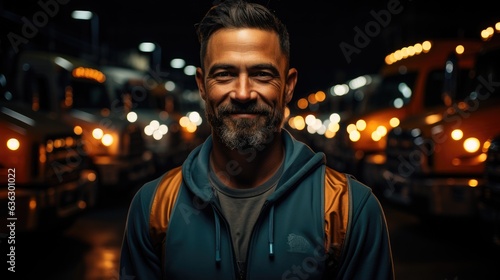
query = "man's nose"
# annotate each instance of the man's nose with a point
(243, 91)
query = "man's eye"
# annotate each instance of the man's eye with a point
(222, 74)
(263, 74)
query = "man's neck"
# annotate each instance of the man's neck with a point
(249, 167)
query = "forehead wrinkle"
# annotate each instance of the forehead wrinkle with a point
(244, 45)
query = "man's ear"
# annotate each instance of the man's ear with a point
(200, 82)
(291, 81)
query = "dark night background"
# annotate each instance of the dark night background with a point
(89, 249)
(317, 29)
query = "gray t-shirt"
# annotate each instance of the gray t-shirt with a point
(241, 208)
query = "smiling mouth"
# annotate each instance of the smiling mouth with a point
(245, 115)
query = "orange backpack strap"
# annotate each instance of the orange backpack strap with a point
(336, 212)
(163, 205)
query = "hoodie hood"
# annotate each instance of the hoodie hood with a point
(299, 161)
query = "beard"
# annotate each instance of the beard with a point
(242, 133)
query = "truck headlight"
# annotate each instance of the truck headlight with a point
(472, 145)
(97, 133)
(107, 140)
(13, 144)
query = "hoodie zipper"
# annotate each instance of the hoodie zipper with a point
(243, 270)
(240, 271)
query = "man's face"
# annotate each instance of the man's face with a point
(246, 86)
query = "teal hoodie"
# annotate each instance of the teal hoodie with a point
(318, 224)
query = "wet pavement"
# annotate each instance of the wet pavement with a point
(89, 248)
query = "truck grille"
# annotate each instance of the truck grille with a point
(407, 153)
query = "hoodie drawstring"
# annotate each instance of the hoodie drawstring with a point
(217, 238)
(271, 232)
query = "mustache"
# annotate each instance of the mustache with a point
(239, 108)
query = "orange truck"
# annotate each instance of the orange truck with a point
(411, 83)
(170, 128)
(74, 89)
(436, 160)
(489, 202)
(47, 179)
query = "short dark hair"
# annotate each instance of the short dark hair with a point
(240, 14)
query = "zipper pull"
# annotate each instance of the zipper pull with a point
(241, 270)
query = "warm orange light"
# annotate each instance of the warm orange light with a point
(361, 125)
(408, 51)
(457, 134)
(320, 96)
(333, 127)
(432, 119)
(473, 183)
(394, 122)
(191, 127)
(91, 176)
(472, 144)
(89, 73)
(13, 144)
(78, 130)
(354, 136)
(302, 103)
(330, 134)
(426, 46)
(32, 203)
(107, 140)
(299, 122)
(312, 98)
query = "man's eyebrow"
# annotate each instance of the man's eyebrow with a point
(219, 66)
(256, 67)
(266, 66)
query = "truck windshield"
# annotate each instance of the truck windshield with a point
(87, 94)
(488, 74)
(393, 91)
(137, 95)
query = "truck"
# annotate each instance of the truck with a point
(489, 202)
(436, 161)
(411, 82)
(144, 100)
(48, 179)
(321, 112)
(74, 90)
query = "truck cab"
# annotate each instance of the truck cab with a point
(319, 114)
(411, 83)
(74, 90)
(142, 99)
(49, 178)
(489, 202)
(436, 161)
(161, 113)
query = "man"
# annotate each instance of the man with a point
(252, 202)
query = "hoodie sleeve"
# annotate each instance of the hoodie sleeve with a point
(139, 258)
(367, 253)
